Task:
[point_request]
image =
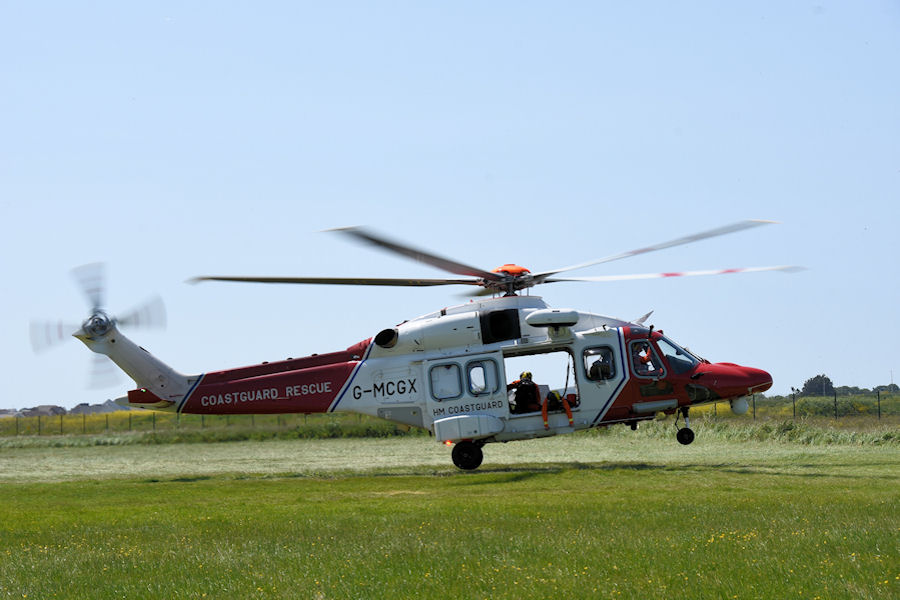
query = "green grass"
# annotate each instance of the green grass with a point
(157, 428)
(166, 427)
(608, 514)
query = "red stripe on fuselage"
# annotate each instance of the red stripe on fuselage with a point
(301, 385)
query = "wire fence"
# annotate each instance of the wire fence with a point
(873, 406)
(152, 421)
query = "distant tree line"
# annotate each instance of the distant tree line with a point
(821, 385)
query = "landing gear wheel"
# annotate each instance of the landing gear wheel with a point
(467, 455)
(685, 436)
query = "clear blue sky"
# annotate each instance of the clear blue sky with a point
(176, 139)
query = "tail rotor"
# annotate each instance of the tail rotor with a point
(91, 280)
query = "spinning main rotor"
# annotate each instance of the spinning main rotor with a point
(507, 279)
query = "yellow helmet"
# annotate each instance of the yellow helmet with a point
(525, 375)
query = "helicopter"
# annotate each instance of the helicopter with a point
(447, 371)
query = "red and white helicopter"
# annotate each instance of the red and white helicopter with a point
(447, 371)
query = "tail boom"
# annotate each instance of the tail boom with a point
(314, 384)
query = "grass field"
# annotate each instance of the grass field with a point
(609, 514)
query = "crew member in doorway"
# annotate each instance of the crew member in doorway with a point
(527, 397)
(643, 359)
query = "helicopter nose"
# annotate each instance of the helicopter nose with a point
(759, 380)
(731, 380)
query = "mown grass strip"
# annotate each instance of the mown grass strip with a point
(629, 530)
(809, 430)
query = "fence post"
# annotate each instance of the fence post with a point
(202, 421)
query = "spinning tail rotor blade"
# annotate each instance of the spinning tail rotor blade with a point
(150, 314)
(46, 334)
(91, 279)
(104, 373)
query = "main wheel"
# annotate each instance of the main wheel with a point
(467, 455)
(685, 436)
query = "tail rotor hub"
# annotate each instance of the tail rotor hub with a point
(98, 324)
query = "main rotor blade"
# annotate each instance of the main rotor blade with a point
(688, 239)
(343, 281)
(91, 279)
(417, 254)
(784, 268)
(151, 313)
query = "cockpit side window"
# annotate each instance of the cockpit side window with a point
(680, 361)
(599, 364)
(645, 361)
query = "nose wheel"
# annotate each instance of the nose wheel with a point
(467, 455)
(685, 435)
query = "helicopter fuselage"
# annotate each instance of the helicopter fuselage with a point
(447, 372)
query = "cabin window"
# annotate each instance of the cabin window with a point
(446, 382)
(599, 363)
(644, 360)
(482, 377)
(680, 360)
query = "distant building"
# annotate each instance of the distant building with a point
(44, 410)
(90, 409)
